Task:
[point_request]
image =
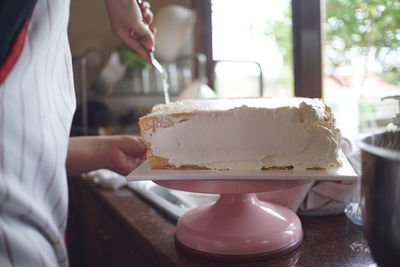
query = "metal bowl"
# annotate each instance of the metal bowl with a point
(380, 196)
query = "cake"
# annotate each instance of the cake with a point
(241, 134)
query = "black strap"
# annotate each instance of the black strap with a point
(13, 16)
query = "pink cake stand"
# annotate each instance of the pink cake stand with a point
(237, 226)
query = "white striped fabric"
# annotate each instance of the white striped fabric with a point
(37, 102)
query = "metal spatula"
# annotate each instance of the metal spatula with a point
(164, 75)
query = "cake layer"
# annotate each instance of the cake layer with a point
(241, 134)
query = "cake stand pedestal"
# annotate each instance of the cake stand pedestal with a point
(237, 226)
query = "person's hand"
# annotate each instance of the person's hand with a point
(119, 153)
(126, 153)
(130, 22)
(146, 12)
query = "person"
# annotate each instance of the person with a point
(37, 102)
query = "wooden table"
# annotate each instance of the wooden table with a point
(119, 228)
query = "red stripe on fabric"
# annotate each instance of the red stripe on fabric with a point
(53, 132)
(49, 15)
(24, 218)
(41, 134)
(23, 113)
(40, 256)
(64, 89)
(15, 52)
(62, 225)
(41, 109)
(2, 128)
(63, 97)
(71, 85)
(8, 248)
(61, 120)
(55, 167)
(31, 218)
(61, 89)
(53, 210)
(48, 102)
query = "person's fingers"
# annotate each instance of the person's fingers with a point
(147, 43)
(124, 164)
(144, 4)
(127, 153)
(143, 157)
(147, 16)
(132, 145)
(144, 35)
(136, 45)
(130, 22)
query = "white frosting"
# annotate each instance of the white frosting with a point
(247, 134)
(206, 105)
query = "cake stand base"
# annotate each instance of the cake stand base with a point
(239, 227)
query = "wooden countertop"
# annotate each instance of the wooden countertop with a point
(122, 229)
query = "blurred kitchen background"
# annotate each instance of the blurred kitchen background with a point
(346, 52)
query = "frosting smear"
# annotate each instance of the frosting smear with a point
(243, 134)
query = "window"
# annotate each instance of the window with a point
(362, 62)
(250, 39)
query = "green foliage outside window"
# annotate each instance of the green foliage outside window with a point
(367, 29)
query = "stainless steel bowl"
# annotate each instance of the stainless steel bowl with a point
(380, 196)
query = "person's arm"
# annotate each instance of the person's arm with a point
(122, 154)
(130, 22)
